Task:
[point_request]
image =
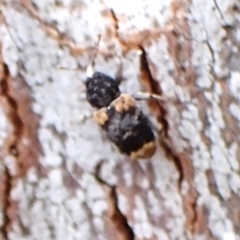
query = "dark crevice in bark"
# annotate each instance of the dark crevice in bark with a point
(14, 118)
(221, 14)
(154, 87)
(12, 143)
(212, 54)
(13, 114)
(23, 143)
(115, 21)
(185, 75)
(176, 161)
(118, 219)
(125, 44)
(6, 203)
(195, 215)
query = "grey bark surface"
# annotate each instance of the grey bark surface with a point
(61, 178)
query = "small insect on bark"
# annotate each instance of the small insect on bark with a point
(119, 116)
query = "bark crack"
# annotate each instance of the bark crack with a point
(153, 87)
(13, 113)
(115, 22)
(11, 143)
(118, 219)
(221, 14)
(195, 214)
(6, 203)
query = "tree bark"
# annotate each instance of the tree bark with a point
(61, 178)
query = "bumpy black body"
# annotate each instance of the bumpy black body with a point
(101, 90)
(127, 127)
(118, 115)
(129, 130)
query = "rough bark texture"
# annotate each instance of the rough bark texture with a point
(60, 178)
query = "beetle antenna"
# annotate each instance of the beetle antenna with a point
(89, 70)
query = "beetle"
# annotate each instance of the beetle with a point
(119, 116)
